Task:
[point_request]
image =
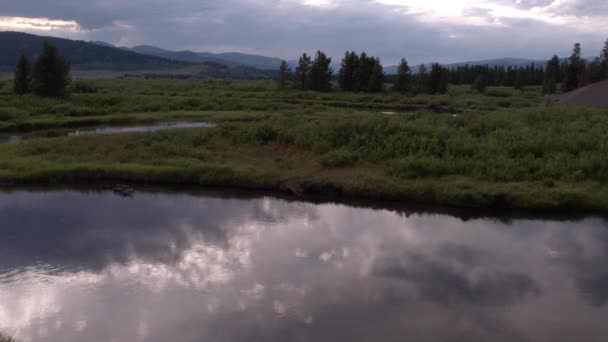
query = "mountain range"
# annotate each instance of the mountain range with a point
(82, 55)
(228, 58)
(98, 55)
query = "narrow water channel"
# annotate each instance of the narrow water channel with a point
(8, 138)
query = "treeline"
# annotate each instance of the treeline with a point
(575, 72)
(517, 77)
(48, 76)
(361, 73)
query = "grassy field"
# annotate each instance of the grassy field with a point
(501, 149)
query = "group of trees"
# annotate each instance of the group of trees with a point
(310, 74)
(48, 76)
(433, 82)
(481, 76)
(575, 72)
(361, 73)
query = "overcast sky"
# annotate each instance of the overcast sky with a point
(420, 30)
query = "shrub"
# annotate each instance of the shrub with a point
(80, 87)
(265, 134)
(338, 158)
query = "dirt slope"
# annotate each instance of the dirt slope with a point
(592, 95)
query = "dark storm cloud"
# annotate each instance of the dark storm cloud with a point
(285, 28)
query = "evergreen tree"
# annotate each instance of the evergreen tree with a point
(443, 81)
(321, 72)
(404, 77)
(519, 79)
(364, 72)
(594, 71)
(284, 75)
(303, 72)
(51, 73)
(23, 76)
(480, 84)
(422, 80)
(575, 70)
(604, 60)
(347, 77)
(551, 76)
(376, 79)
(437, 79)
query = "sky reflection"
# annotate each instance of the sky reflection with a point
(158, 267)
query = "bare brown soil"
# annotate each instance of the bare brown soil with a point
(595, 95)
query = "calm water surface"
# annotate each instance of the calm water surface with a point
(106, 130)
(176, 267)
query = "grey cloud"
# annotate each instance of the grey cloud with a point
(584, 8)
(288, 28)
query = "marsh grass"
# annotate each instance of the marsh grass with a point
(524, 156)
(96, 99)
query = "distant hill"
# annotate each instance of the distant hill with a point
(227, 58)
(181, 56)
(82, 55)
(505, 62)
(98, 42)
(256, 61)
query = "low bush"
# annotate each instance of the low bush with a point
(338, 158)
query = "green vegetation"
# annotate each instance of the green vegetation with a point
(314, 74)
(23, 76)
(501, 148)
(51, 73)
(361, 73)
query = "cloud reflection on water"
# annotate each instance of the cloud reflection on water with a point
(76, 266)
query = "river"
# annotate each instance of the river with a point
(162, 266)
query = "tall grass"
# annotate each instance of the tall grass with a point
(92, 99)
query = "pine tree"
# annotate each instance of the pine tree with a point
(480, 84)
(348, 71)
(551, 76)
(284, 75)
(51, 73)
(321, 72)
(376, 79)
(303, 72)
(23, 76)
(519, 79)
(437, 80)
(594, 71)
(575, 70)
(443, 81)
(422, 80)
(404, 77)
(604, 60)
(364, 72)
